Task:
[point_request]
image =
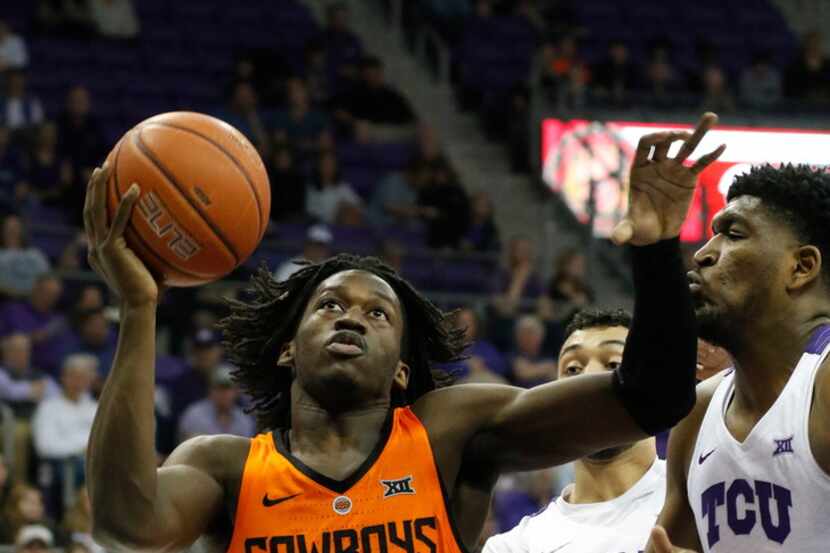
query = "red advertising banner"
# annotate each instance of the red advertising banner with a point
(581, 159)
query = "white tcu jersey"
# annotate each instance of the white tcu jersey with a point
(621, 525)
(767, 493)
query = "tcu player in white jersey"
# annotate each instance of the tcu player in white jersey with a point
(618, 492)
(749, 468)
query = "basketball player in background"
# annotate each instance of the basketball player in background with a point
(364, 451)
(749, 468)
(617, 492)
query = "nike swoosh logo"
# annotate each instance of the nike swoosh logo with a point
(704, 457)
(268, 502)
(560, 547)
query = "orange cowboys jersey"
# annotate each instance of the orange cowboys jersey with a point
(393, 503)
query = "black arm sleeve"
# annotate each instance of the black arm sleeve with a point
(656, 379)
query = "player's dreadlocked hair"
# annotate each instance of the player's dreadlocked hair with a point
(257, 328)
(799, 195)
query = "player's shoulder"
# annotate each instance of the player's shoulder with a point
(221, 455)
(684, 435)
(530, 529)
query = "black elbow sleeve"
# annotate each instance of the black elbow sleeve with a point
(656, 379)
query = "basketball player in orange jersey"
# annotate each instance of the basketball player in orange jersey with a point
(364, 450)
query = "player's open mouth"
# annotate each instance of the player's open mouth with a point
(695, 283)
(346, 343)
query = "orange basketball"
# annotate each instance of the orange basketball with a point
(204, 201)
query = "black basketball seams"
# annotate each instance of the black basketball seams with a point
(217, 232)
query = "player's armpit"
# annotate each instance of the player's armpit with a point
(190, 495)
(819, 415)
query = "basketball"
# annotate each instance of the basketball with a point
(204, 201)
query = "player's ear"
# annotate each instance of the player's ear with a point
(286, 358)
(806, 267)
(401, 379)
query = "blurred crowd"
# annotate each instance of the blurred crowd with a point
(58, 331)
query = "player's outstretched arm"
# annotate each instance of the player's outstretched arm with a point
(132, 507)
(510, 429)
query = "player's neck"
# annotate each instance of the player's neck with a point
(315, 429)
(596, 482)
(765, 362)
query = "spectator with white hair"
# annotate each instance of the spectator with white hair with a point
(218, 413)
(60, 430)
(61, 424)
(529, 364)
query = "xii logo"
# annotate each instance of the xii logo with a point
(397, 487)
(157, 217)
(783, 446)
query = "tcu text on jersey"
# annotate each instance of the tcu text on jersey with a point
(747, 503)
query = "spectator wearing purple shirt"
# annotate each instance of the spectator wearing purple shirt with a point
(529, 364)
(218, 413)
(39, 319)
(484, 361)
(22, 387)
(193, 384)
(93, 334)
(519, 280)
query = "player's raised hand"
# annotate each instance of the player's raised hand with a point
(108, 253)
(661, 188)
(660, 542)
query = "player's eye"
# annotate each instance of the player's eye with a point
(612, 365)
(330, 305)
(379, 313)
(572, 370)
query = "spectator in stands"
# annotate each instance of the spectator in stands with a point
(316, 73)
(77, 525)
(568, 288)
(761, 85)
(22, 386)
(395, 198)
(50, 175)
(447, 212)
(20, 264)
(392, 252)
(519, 280)
(90, 297)
(40, 320)
(483, 234)
(428, 146)
(808, 77)
(61, 424)
(244, 114)
(300, 124)
(13, 188)
(316, 248)
(374, 111)
(716, 94)
(287, 184)
(661, 78)
(13, 51)
(93, 334)
(114, 19)
(218, 413)
(20, 109)
(23, 507)
(73, 256)
(341, 42)
(485, 362)
(529, 365)
(615, 78)
(79, 136)
(329, 198)
(193, 384)
(34, 538)
(5, 482)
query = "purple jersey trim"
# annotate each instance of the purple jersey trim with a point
(819, 340)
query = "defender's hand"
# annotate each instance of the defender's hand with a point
(660, 189)
(108, 253)
(661, 544)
